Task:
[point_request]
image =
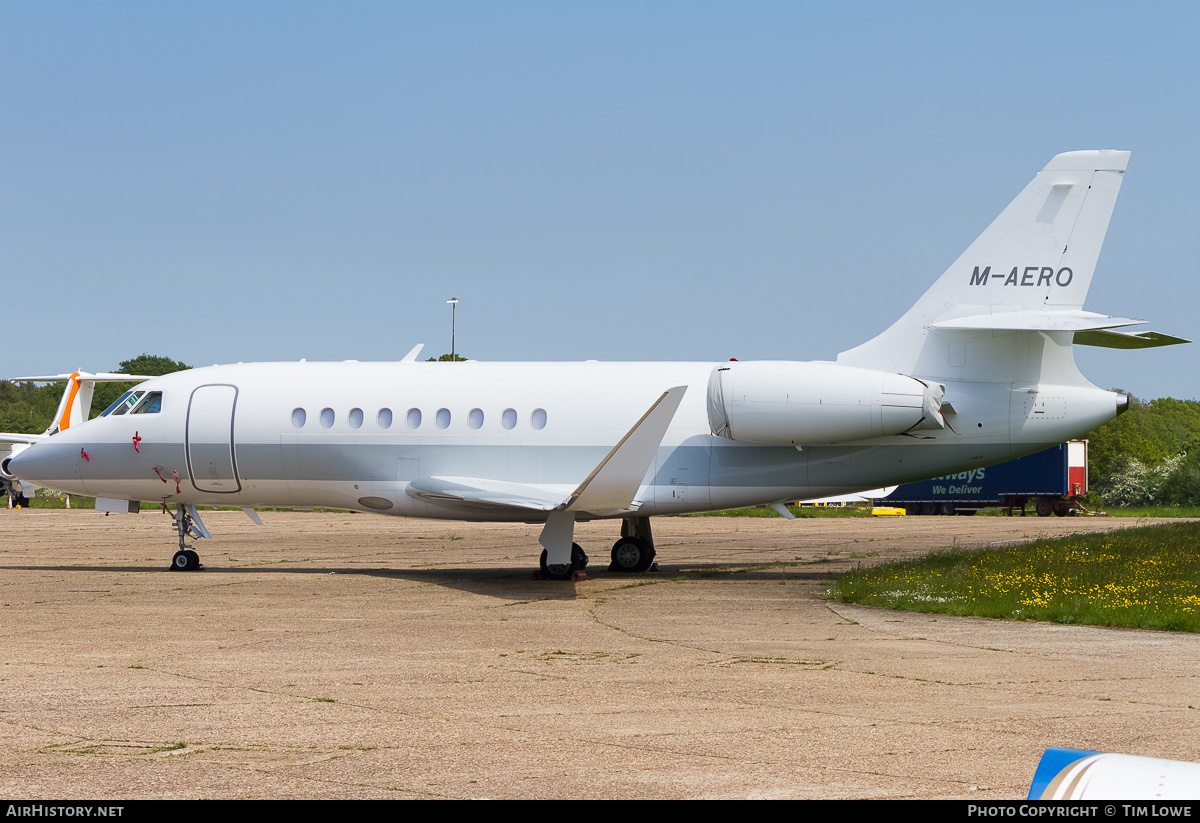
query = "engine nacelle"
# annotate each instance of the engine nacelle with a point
(1071, 774)
(786, 403)
(7, 453)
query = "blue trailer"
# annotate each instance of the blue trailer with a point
(1053, 480)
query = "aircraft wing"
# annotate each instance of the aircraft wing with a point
(610, 488)
(481, 493)
(9, 438)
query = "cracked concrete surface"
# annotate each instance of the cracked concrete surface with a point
(336, 655)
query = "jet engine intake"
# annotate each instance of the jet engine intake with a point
(5, 473)
(786, 403)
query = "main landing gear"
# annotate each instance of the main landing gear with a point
(632, 553)
(187, 522)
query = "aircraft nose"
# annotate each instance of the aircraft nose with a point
(44, 464)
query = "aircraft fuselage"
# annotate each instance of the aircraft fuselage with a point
(356, 436)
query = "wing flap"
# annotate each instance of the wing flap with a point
(479, 492)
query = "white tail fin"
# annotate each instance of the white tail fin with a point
(1028, 272)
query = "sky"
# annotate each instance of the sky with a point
(237, 181)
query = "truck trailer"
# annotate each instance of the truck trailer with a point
(1054, 481)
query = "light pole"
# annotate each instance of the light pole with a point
(453, 301)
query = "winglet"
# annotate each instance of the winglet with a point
(613, 483)
(411, 357)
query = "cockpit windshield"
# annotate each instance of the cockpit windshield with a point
(123, 403)
(150, 404)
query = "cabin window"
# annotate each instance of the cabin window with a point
(538, 419)
(298, 418)
(475, 418)
(385, 418)
(509, 419)
(356, 418)
(414, 418)
(443, 418)
(327, 418)
(151, 403)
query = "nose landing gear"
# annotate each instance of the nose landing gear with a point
(187, 522)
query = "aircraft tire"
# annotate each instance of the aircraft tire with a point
(631, 555)
(563, 571)
(185, 560)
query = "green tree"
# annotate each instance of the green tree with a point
(447, 358)
(1137, 456)
(152, 365)
(1182, 486)
(26, 408)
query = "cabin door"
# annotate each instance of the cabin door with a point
(210, 454)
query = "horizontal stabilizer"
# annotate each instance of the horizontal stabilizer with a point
(1049, 321)
(1090, 328)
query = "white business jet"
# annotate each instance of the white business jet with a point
(979, 371)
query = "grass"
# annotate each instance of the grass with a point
(1112, 511)
(1146, 578)
(1156, 511)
